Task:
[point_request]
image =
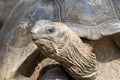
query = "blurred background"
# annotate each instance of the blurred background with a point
(5, 8)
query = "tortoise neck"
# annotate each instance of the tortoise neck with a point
(78, 59)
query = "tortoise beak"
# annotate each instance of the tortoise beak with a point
(34, 37)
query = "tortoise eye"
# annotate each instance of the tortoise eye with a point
(50, 30)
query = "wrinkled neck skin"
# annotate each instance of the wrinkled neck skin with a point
(77, 58)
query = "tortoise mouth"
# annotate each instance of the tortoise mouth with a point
(44, 42)
(42, 39)
(48, 44)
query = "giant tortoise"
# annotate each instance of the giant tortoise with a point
(89, 19)
(96, 55)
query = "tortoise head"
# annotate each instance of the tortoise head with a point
(59, 42)
(51, 36)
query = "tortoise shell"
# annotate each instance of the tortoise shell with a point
(5, 8)
(91, 19)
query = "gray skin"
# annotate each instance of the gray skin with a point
(15, 36)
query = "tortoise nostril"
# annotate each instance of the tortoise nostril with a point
(34, 36)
